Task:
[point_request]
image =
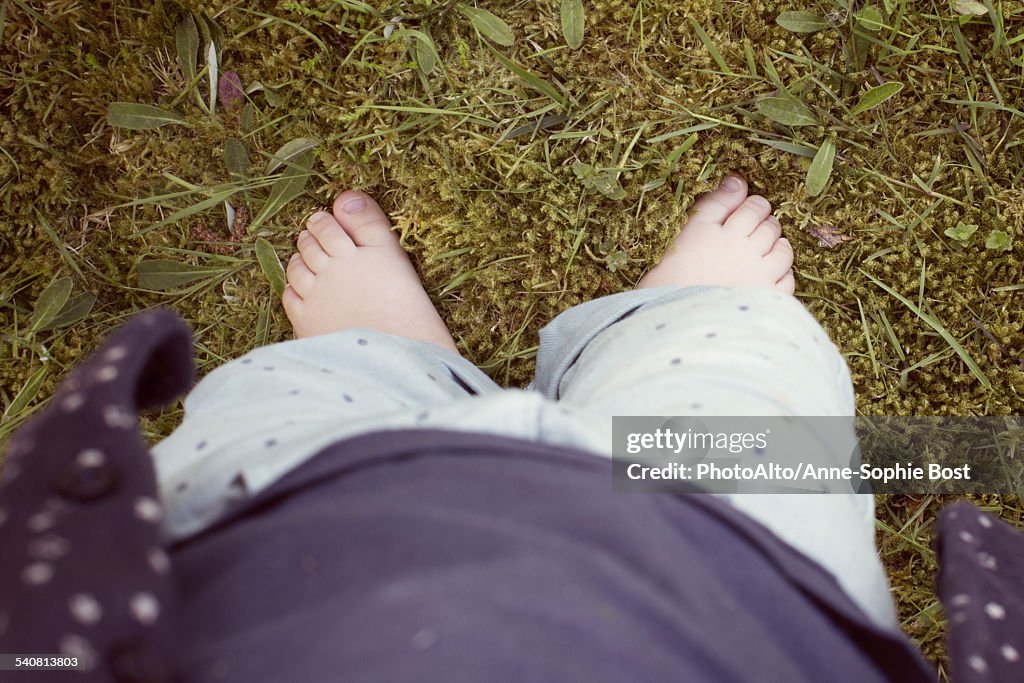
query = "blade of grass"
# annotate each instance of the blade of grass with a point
(26, 394)
(531, 79)
(288, 186)
(709, 44)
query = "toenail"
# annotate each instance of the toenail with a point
(732, 183)
(354, 205)
(320, 218)
(759, 200)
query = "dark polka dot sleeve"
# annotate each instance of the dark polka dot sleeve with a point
(82, 570)
(981, 583)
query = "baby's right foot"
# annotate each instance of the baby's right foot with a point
(350, 271)
(730, 240)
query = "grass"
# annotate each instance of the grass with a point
(525, 176)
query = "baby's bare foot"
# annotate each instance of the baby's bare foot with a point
(350, 271)
(730, 240)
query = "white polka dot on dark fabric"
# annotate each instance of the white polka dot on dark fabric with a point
(108, 373)
(987, 561)
(960, 600)
(995, 611)
(37, 573)
(147, 509)
(424, 639)
(20, 445)
(72, 402)
(10, 472)
(1009, 653)
(41, 521)
(966, 536)
(959, 617)
(117, 417)
(76, 646)
(49, 547)
(116, 353)
(977, 664)
(145, 608)
(91, 457)
(952, 514)
(985, 521)
(158, 560)
(85, 608)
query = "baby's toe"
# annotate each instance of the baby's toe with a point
(312, 253)
(292, 303)
(788, 283)
(779, 259)
(300, 277)
(764, 237)
(718, 205)
(364, 220)
(745, 219)
(332, 237)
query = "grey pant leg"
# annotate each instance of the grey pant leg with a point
(252, 420)
(720, 352)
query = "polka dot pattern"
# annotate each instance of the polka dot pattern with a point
(37, 573)
(48, 547)
(147, 509)
(145, 608)
(72, 402)
(85, 608)
(982, 560)
(117, 417)
(101, 597)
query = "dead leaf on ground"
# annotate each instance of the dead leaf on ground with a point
(829, 236)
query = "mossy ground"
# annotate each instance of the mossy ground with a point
(503, 229)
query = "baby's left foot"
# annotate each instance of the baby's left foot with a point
(731, 240)
(350, 271)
